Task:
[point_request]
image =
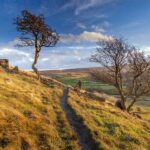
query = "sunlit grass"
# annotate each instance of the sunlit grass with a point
(28, 118)
(31, 117)
(111, 128)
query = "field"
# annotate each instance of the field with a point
(38, 115)
(86, 84)
(91, 86)
(71, 77)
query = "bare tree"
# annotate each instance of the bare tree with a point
(124, 67)
(112, 55)
(138, 81)
(35, 32)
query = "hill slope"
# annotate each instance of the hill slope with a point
(109, 127)
(33, 116)
(30, 115)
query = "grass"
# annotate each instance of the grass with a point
(110, 127)
(31, 116)
(87, 84)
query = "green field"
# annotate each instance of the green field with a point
(87, 84)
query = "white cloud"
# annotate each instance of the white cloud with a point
(81, 26)
(85, 36)
(69, 56)
(7, 52)
(57, 58)
(93, 36)
(86, 4)
(16, 57)
(44, 59)
(105, 24)
(146, 49)
(65, 57)
(15, 42)
(97, 28)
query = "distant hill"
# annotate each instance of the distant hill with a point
(76, 70)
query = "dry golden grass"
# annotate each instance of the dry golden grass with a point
(31, 116)
(110, 127)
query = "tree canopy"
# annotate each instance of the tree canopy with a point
(35, 32)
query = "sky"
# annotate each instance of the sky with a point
(80, 24)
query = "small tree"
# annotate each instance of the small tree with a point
(35, 32)
(112, 56)
(124, 67)
(138, 81)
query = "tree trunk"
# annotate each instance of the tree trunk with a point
(34, 64)
(123, 101)
(120, 90)
(132, 103)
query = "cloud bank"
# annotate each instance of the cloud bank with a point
(85, 36)
(62, 57)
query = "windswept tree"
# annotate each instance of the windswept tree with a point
(124, 67)
(36, 33)
(138, 81)
(112, 55)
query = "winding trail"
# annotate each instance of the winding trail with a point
(85, 140)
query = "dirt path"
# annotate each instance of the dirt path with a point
(85, 140)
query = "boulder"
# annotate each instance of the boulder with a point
(4, 63)
(15, 69)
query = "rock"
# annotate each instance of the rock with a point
(4, 63)
(15, 69)
(118, 104)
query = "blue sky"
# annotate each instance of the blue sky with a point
(80, 23)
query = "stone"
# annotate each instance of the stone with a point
(4, 63)
(15, 69)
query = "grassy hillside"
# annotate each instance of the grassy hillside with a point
(31, 116)
(71, 77)
(109, 127)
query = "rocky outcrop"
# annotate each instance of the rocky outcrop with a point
(4, 63)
